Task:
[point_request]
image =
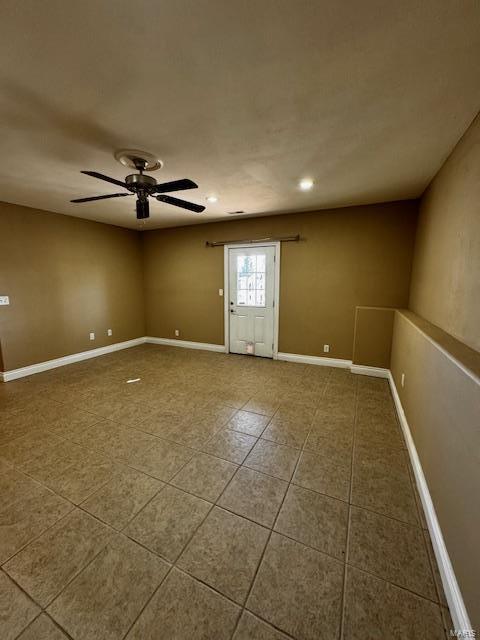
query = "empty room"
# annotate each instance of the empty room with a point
(244, 403)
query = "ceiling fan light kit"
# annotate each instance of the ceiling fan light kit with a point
(144, 186)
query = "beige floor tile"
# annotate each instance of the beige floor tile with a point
(230, 445)
(273, 459)
(168, 522)
(320, 474)
(14, 426)
(378, 427)
(46, 566)
(160, 458)
(298, 590)
(118, 501)
(338, 431)
(25, 514)
(315, 520)
(27, 448)
(205, 476)
(335, 452)
(384, 486)
(83, 477)
(16, 609)
(43, 628)
(252, 628)
(286, 432)
(172, 426)
(376, 610)
(184, 608)
(14, 486)
(254, 495)
(247, 422)
(263, 405)
(92, 606)
(225, 553)
(55, 461)
(392, 550)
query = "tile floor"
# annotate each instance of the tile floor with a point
(219, 497)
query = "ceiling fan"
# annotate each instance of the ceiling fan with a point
(143, 186)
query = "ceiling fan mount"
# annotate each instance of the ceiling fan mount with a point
(139, 160)
(144, 186)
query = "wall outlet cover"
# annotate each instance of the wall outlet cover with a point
(326, 348)
(92, 336)
(109, 332)
(177, 332)
(4, 300)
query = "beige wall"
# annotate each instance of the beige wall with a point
(347, 257)
(441, 397)
(373, 336)
(442, 405)
(446, 270)
(65, 277)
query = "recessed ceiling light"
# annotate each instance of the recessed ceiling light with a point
(306, 184)
(212, 199)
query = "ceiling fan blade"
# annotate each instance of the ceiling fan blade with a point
(100, 176)
(198, 208)
(110, 195)
(176, 185)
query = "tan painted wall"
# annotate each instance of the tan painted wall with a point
(347, 257)
(442, 406)
(65, 277)
(373, 336)
(446, 271)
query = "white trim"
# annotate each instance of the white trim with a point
(276, 293)
(14, 374)
(186, 344)
(317, 360)
(452, 591)
(376, 372)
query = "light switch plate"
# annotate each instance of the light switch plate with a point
(220, 292)
(4, 300)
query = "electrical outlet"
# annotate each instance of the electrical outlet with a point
(177, 332)
(402, 381)
(109, 332)
(92, 336)
(220, 292)
(326, 348)
(4, 300)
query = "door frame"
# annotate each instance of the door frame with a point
(276, 290)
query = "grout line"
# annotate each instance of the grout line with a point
(347, 541)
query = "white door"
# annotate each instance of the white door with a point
(251, 300)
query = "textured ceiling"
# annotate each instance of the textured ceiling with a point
(367, 98)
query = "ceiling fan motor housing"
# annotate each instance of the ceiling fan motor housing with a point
(137, 181)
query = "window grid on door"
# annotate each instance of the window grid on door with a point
(251, 280)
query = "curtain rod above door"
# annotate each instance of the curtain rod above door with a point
(256, 241)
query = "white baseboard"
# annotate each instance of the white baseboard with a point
(316, 360)
(376, 372)
(186, 344)
(14, 374)
(452, 591)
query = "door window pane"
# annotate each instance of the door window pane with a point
(251, 280)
